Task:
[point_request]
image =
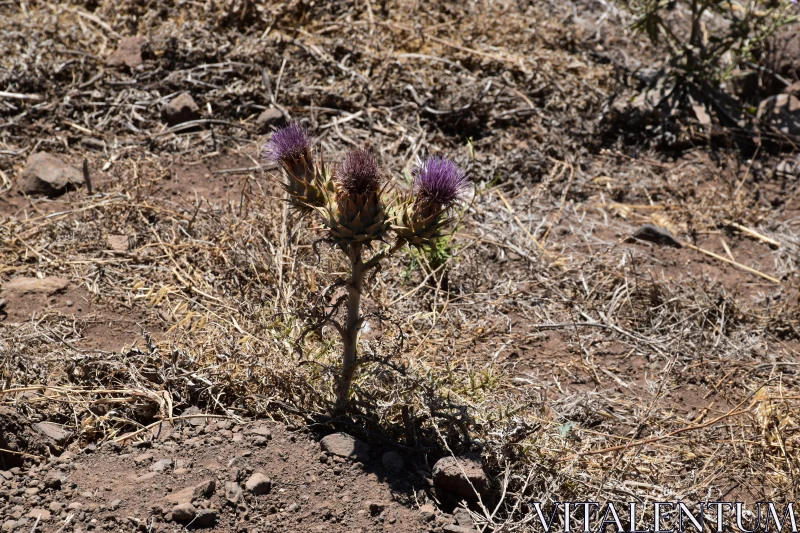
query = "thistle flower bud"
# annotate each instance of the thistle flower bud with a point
(439, 183)
(288, 145)
(359, 173)
(359, 215)
(306, 182)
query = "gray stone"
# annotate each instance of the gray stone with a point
(46, 174)
(196, 421)
(269, 117)
(162, 465)
(233, 492)
(258, 484)
(52, 431)
(180, 109)
(458, 479)
(343, 445)
(463, 518)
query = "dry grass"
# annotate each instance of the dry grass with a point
(581, 365)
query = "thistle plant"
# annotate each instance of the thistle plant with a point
(365, 218)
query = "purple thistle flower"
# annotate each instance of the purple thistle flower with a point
(288, 144)
(359, 173)
(439, 182)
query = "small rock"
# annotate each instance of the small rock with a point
(195, 421)
(260, 441)
(450, 528)
(52, 481)
(114, 505)
(118, 243)
(656, 235)
(258, 484)
(8, 526)
(233, 492)
(189, 494)
(180, 109)
(427, 513)
(52, 431)
(205, 518)
(375, 508)
(457, 479)
(343, 445)
(393, 462)
(262, 431)
(183, 512)
(463, 517)
(128, 52)
(162, 465)
(42, 514)
(269, 117)
(48, 286)
(46, 174)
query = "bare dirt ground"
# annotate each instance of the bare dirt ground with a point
(581, 364)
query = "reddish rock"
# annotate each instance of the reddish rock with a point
(28, 286)
(189, 494)
(258, 484)
(46, 174)
(128, 52)
(458, 479)
(180, 109)
(343, 445)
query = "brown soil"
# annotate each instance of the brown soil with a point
(137, 487)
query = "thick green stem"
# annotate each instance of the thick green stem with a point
(351, 328)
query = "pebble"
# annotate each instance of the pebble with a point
(162, 465)
(183, 512)
(258, 484)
